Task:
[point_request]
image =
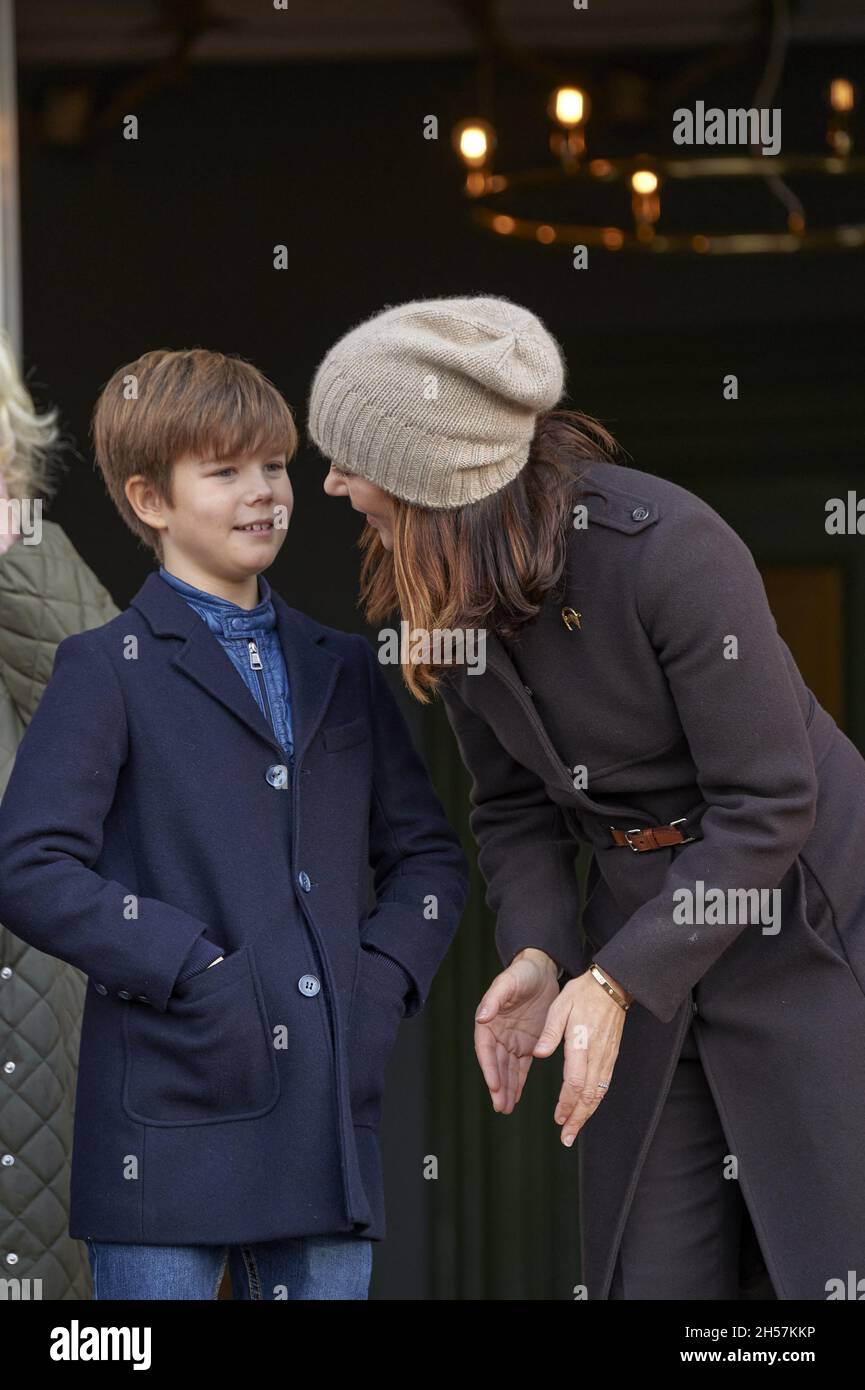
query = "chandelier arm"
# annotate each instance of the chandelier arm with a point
(776, 57)
(764, 95)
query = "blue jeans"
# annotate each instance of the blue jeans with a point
(303, 1267)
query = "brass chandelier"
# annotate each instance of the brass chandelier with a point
(638, 181)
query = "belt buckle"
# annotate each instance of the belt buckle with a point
(686, 839)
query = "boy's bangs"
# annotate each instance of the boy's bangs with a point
(233, 429)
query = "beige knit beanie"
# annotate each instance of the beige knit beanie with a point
(436, 401)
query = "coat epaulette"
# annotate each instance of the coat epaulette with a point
(623, 511)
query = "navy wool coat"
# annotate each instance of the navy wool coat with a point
(148, 811)
(643, 713)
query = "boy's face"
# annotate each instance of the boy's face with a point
(208, 527)
(365, 497)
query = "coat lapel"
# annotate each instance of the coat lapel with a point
(500, 664)
(312, 671)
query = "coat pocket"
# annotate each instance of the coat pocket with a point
(377, 1010)
(208, 1057)
(819, 918)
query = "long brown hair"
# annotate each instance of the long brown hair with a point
(488, 564)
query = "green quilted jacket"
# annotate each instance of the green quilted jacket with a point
(47, 592)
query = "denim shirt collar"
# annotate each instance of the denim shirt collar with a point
(223, 617)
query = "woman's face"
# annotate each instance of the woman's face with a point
(365, 497)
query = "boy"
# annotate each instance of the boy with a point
(191, 820)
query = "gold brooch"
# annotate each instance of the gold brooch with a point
(571, 619)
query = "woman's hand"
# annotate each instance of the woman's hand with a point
(509, 1021)
(591, 1023)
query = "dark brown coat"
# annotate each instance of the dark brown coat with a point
(666, 724)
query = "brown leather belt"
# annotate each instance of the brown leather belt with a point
(653, 836)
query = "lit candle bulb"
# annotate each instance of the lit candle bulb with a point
(645, 202)
(474, 141)
(569, 108)
(842, 98)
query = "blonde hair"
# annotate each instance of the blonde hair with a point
(27, 440)
(170, 403)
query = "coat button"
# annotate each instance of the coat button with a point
(100, 989)
(123, 994)
(694, 1009)
(309, 985)
(277, 776)
(9, 1067)
(6, 972)
(7, 1160)
(304, 880)
(143, 997)
(640, 513)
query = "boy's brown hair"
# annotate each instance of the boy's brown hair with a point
(168, 404)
